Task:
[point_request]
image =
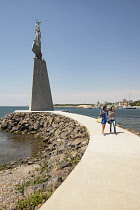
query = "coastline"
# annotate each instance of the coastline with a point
(107, 177)
(30, 166)
(42, 175)
(130, 130)
(127, 118)
(31, 160)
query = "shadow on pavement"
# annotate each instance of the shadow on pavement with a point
(113, 133)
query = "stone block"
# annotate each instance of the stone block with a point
(41, 98)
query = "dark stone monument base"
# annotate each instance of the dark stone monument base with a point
(41, 98)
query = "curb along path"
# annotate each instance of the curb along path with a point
(108, 175)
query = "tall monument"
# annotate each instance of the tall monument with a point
(41, 98)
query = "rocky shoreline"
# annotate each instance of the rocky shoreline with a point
(130, 130)
(29, 183)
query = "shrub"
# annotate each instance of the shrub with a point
(33, 200)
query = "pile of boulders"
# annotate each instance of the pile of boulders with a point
(58, 132)
(65, 141)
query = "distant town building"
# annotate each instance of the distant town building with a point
(122, 103)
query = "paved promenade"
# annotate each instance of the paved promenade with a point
(107, 177)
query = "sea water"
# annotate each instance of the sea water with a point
(17, 146)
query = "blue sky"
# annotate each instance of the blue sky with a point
(92, 49)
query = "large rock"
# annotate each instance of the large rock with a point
(65, 164)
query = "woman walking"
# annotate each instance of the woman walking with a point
(103, 114)
(111, 118)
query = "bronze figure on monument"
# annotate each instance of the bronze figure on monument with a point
(36, 47)
(41, 98)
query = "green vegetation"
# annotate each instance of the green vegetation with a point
(20, 188)
(135, 103)
(84, 127)
(45, 167)
(33, 200)
(71, 104)
(33, 180)
(37, 177)
(75, 105)
(74, 160)
(3, 167)
(108, 103)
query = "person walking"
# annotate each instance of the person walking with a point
(111, 119)
(103, 114)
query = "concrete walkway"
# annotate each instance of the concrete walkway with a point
(108, 175)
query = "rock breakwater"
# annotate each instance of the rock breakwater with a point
(65, 141)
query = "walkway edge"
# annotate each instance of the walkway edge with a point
(106, 178)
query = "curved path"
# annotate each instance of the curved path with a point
(108, 175)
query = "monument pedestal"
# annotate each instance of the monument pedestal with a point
(41, 98)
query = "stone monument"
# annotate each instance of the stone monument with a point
(41, 98)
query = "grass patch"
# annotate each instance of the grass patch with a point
(33, 180)
(3, 167)
(33, 200)
(20, 188)
(84, 127)
(37, 177)
(45, 167)
(74, 160)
